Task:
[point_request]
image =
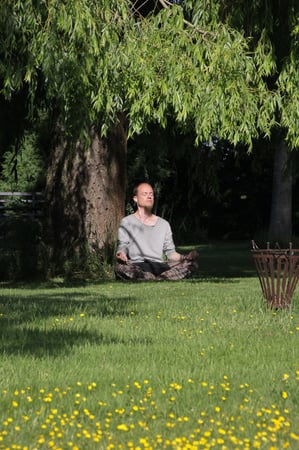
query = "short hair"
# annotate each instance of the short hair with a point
(135, 190)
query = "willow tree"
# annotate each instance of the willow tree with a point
(277, 23)
(103, 71)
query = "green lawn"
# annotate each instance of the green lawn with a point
(196, 364)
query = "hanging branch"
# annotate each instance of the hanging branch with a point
(166, 4)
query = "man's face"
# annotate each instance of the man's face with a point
(145, 196)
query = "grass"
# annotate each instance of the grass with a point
(196, 364)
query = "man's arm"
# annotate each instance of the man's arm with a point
(121, 256)
(176, 257)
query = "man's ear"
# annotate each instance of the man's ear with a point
(135, 199)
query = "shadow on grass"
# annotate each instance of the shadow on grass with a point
(54, 342)
(221, 260)
(26, 326)
(25, 322)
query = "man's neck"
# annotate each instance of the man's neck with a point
(145, 215)
(144, 212)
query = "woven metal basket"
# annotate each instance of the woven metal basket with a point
(278, 271)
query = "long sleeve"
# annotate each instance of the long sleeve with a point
(140, 242)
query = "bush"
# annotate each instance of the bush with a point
(21, 255)
(25, 170)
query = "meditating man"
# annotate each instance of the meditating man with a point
(145, 247)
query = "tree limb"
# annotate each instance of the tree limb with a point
(166, 4)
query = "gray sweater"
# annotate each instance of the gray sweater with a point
(139, 241)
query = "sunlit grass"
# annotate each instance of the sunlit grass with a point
(138, 415)
(199, 364)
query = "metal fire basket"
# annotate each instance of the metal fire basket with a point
(278, 271)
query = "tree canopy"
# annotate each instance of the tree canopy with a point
(106, 70)
(91, 60)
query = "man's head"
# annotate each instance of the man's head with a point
(144, 195)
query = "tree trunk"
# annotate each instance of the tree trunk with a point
(280, 228)
(86, 196)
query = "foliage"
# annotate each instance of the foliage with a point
(22, 252)
(206, 191)
(23, 170)
(177, 363)
(93, 265)
(219, 68)
(93, 60)
(289, 93)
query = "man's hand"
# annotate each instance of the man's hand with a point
(192, 255)
(121, 256)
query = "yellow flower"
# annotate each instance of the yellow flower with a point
(122, 427)
(294, 436)
(170, 424)
(284, 394)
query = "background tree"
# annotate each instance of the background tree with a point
(103, 71)
(23, 170)
(207, 193)
(276, 22)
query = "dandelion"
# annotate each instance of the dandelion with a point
(123, 427)
(294, 436)
(175, 386)
(284, 394)
(170, 424)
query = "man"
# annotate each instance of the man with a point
(144, 240)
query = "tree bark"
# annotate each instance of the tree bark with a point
(280, 228)
(85, 195)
